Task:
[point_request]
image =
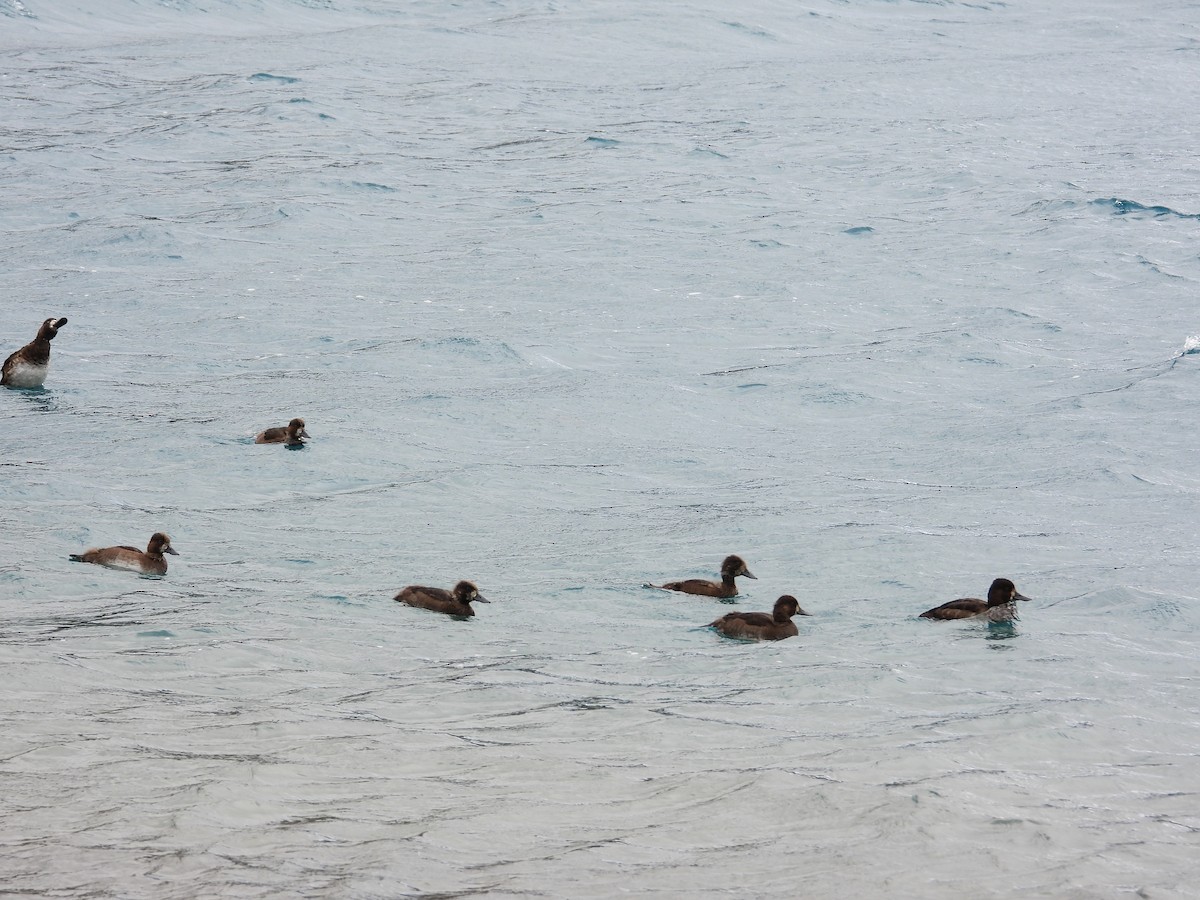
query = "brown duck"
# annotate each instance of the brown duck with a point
(1000, 605)
(454, 603)
(730, 569)
(152, 562)
(293, 434)
(27, 367)
(757, 626)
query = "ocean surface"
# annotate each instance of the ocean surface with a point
(889, 298)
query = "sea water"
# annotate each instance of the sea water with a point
(889, 298)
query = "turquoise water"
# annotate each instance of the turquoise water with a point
(891, 299)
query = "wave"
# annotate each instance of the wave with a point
(100, 20)
(1116, 206)
(1119, 207)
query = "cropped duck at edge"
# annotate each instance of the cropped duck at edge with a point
(453, 603)
(27, 367)
(152, 562)
(759, 626)
(732, 567)
(1000, 605)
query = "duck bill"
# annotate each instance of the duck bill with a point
(479, 598)
(1017, 596)
(746, 573)
(170, 550)
(60, 323)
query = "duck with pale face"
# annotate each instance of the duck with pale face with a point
(27, 367)
(732, 567)
(453, 603)
(292, 434)
(152, 562)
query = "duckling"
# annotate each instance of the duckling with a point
(730, 568)
(293, 434)
(1000, 605)
(759, 626)
(152, 562)
(454, 603)
(27, 367)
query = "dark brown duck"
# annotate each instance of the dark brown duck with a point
(453, 603)
(27, 367)
(757, 626)
(732, 567)
(293, 434)
(1000, 605)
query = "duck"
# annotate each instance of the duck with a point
(1000, 605)
(725, 588)
(27, 367)
(759, 626)
(292, 434)
(452, 603)
(152, 562)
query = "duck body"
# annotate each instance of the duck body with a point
(758, 626)
(1000, 606)
(732, 567)
(28, 367)
(292, 434)
(152, 562)
(453, 603)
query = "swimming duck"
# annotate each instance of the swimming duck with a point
(454, 603)
(27, 367)
(293, 434)
(1000, 605)
(151, 562)
(760, 626)
(730, 568)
